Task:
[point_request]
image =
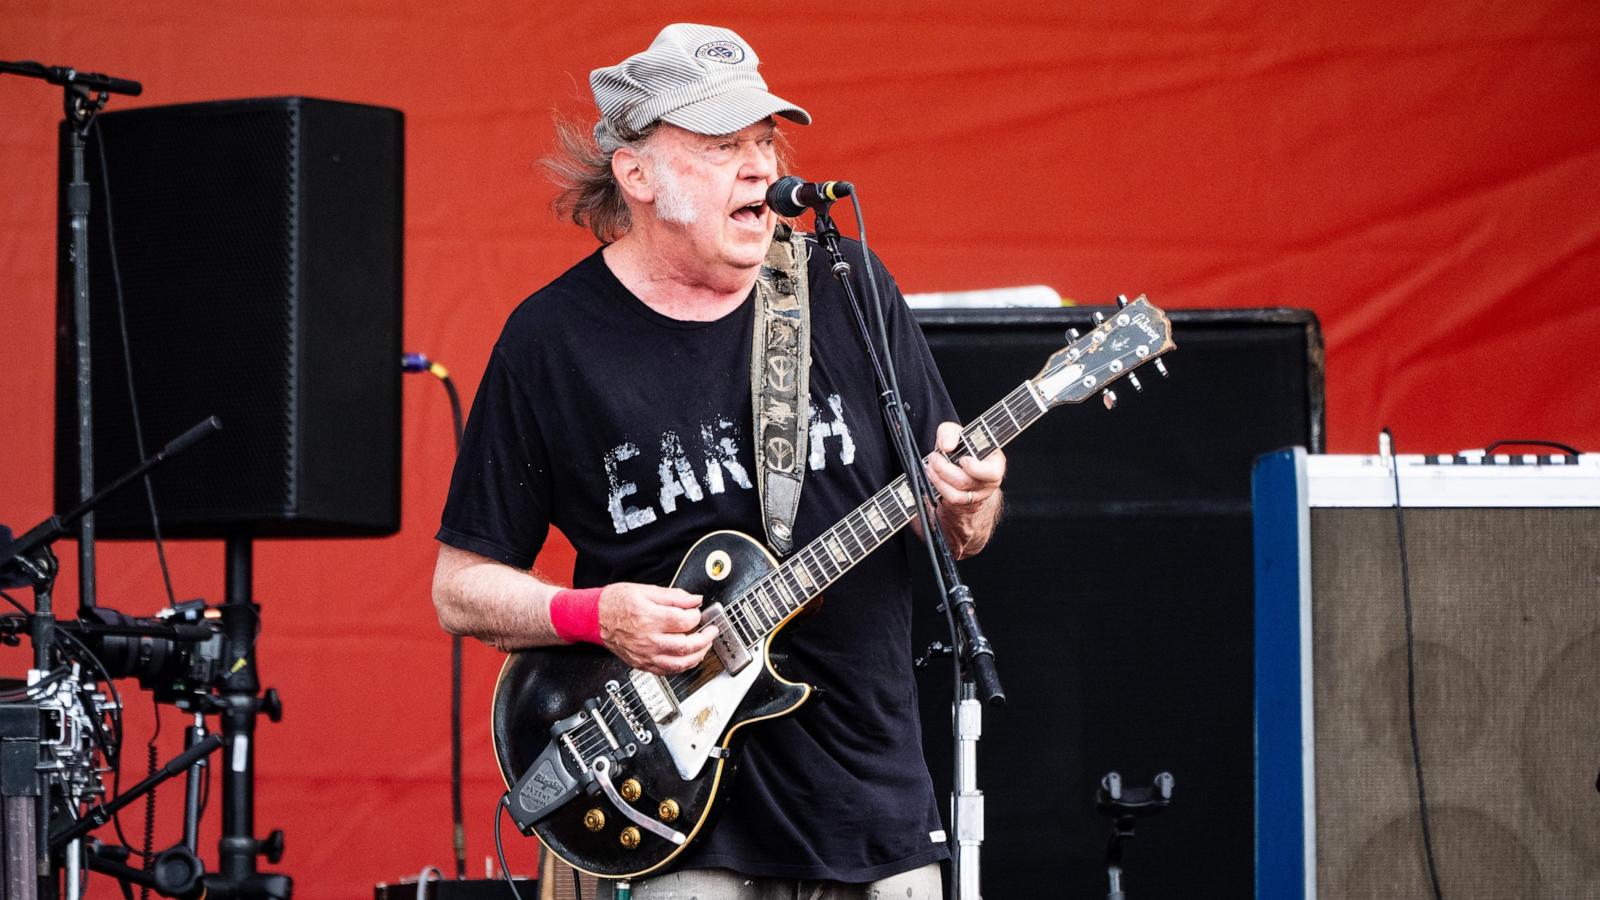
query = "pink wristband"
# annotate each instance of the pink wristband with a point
(575, 615)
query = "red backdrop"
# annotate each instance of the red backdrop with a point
(1426, 177)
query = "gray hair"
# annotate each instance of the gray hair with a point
(581, 168)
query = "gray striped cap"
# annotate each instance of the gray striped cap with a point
(698, 77)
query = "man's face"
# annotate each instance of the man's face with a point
(710, 192)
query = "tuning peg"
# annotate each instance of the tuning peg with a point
(1098, 317)
(1134, 380)
(1161, 367)
(1109, 398)
(1122, 301)
(1073, 334)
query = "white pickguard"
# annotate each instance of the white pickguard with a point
(704, 714)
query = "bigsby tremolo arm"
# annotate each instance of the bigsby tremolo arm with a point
(601, 769)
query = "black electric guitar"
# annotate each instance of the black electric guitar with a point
(616, 769)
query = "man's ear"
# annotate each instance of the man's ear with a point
(633, 175)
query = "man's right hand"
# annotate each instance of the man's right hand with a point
(654, 628)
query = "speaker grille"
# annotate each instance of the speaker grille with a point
(1507, 637)
(230, 304)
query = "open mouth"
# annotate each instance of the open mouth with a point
(751, 213)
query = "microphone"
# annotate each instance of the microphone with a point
(790, 196)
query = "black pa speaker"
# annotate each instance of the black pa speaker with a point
(1118, 592)
(258, 244)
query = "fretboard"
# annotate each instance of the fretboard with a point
(766, 603)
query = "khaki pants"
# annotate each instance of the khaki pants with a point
(721, 884)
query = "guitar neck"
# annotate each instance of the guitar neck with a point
(758, 611)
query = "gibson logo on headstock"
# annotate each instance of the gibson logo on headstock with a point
(1143, 321)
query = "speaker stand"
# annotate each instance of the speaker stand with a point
(237, 851)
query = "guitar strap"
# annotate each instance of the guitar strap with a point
(780, 369)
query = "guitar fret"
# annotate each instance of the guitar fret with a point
(839, 556)
(1006, 408)
(783, 596)
(903, 494)
(1001, 425)
(796, 589)
(981, 439)
(829, 568)
(866, 533)
(768, 602)
(802, 574)
(741, 622)
(898, 517)
(848, 529)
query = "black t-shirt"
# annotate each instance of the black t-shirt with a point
(631, 432)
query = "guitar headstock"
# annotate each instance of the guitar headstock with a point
(1136, 334)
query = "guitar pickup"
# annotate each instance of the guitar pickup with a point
(656, 695)
(729, 648)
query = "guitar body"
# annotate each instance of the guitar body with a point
(543, 686)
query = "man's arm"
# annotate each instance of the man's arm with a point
(970, 490)
(653, 628)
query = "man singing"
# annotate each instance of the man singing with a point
(617, 406)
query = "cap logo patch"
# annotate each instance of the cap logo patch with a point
(726, 52)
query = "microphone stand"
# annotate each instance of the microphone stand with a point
(979, 680)
(84, 96)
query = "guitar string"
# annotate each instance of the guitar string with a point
(859, 529)
(747, 609)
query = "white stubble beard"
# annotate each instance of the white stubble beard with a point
(672, 203)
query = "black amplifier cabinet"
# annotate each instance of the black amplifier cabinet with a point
(1118, 592)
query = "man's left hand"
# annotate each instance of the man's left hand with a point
(970, 491)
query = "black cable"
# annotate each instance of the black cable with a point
(952, 840)
(127, 364)
(150, 818)
(413, 363)
(1568, 449)
(504, 804)
(456, 652)
(1411, 672)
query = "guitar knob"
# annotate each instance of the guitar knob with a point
(1109, 398)
(1161, 367)
(594, 820)
(668, 810)
(631, 790)
(1122, 301)
(1134, 380)
(629, 837)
